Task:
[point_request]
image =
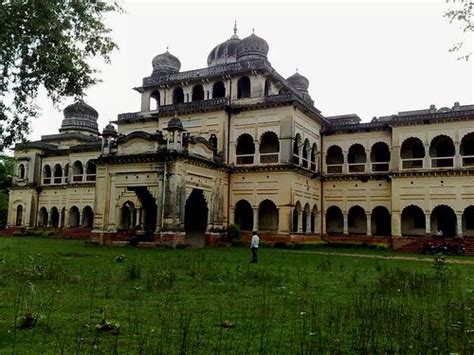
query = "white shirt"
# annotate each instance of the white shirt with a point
(255, 241)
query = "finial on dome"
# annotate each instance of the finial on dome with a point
(297, 70)
(235, 27)
(167, 48)
(253, 31)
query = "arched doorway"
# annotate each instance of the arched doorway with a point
(381, 221)
(334, 220)
(467, 222)
(267, 216)
(127, 213)
(413, 221)
(73, 217)
(19, 215)
(54, 217)
(43, 217)
(87, 217)
(443, 219)
(357, 220)
(195, 218)
(243, 215)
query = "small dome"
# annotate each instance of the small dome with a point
(252, 47)
(175, 124)
(80, 109)
(165, 63)
(80, 117)
(109, 131)
(299, 82)
(225, 52)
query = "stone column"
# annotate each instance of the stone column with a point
(369, 224)
(459, 225)
(323, 227)
(345, 228)
(145, 101)
(257, 153)
(345, 163)
(308, 222)
(427, 159)
(300, 221)
(396, 224)
(395, 158)
(255, 219)
(50, 219)
(137, 216)
(457, 155)
(427, 225)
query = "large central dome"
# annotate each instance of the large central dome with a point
(80, 117)
(225, 52)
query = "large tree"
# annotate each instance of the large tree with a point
(460, 13)
(47, 44)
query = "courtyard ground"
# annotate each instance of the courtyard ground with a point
(59, 296)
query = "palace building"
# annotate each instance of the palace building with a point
(238, 143)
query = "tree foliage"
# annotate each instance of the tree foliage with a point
(460, 12)
(47, 43)
(6, 173)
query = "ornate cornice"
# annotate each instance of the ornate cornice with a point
(434, 172)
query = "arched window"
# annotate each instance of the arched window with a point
(58, 174)
(266, 88)
(443, 219)
(19, 215)
(413, 221)
(381, 221)
(245, 149)
(47, 179)
(304, 153)
(218, 90)
(357, 220)
(296, 149)
(334, 159)
(87, 217)
(305, 215)
(467, 150)
(269, 148)
(21, 171)
(198, 93)
(267, 216)
(155, 100)
(380, 157)
(334, 220)
(127, 215)
(73, 217)
(77, 171)
(91, 171)
(243, 215)
(296, 217)
(312, 158)
(243, 87)
(442, 152)
(356, 158)
(178, 95)
(412, 153)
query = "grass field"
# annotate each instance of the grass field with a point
(64, 297)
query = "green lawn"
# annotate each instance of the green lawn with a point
(176, 301)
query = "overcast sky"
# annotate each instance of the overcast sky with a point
(369, 58)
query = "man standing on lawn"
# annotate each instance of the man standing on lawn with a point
(254, 246)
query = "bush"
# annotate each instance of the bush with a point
(233, 232)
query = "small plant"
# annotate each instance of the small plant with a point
(120, 258)
(28, 320)
(133, 272)
(439, 264)
(233, 232)
(107, 325)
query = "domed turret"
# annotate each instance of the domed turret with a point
(165, 63)
(109, 131)
(252, 47)
(80, 117)
(175, 124)
(225, 52)
(299, 82)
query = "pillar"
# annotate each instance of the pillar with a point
(257, 153)
(395, 158)
(308, 222)
(345, 228)
(255, 219)
(137, 216)
(457, 155)
(369, 224)
(345, 163)
(459, 225)
(427, 160)
(427, 224)
(396, 224)
(50, 220)
(323, 227)
(300, 221)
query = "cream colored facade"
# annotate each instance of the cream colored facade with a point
(238, 143)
